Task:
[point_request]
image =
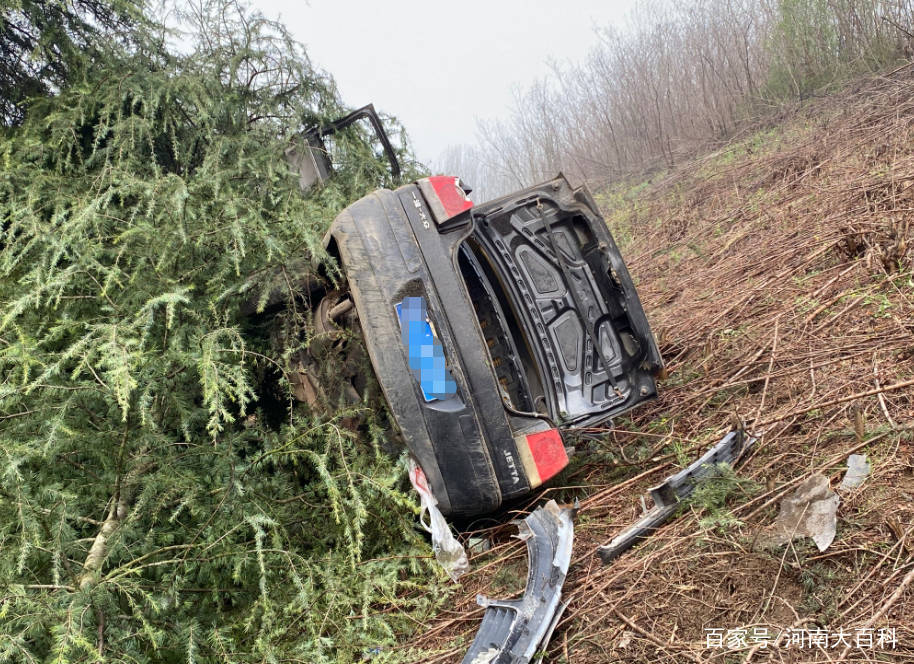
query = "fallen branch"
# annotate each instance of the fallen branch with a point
(647, 635)
(774, 350)
(905, 582)
(885, 410)
(835, 402)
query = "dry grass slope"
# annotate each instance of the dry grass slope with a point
(778, 278)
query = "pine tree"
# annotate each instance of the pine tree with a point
(44, 44)
(151, 510)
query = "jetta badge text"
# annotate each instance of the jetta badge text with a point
(424, 217)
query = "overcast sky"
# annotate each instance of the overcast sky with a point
(438, 66)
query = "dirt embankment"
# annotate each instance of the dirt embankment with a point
(777, 275)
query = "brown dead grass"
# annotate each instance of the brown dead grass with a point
(780, 288)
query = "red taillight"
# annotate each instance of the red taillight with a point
(543, 455)
(445, 197)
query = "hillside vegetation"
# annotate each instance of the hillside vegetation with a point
(163, 498)
(777, 275)
(677, 80)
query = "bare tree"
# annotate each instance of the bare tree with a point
(679, 78)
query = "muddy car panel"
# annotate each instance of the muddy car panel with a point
(464, 443)
(517, 294)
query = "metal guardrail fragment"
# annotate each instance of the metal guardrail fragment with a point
(513, 630)
(674, 489)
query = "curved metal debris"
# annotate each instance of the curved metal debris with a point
(513, 630)
(674, 489)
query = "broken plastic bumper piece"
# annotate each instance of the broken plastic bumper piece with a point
(513, 630)
(674, 489)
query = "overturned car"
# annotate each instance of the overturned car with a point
(491, 327)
